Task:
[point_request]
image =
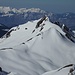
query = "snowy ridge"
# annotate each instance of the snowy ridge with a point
(25, 53)
(66, 70)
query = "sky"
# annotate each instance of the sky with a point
(56, 6)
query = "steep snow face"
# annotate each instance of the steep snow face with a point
(24, 52)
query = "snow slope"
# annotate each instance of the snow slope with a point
(27, 53)
(63, 71)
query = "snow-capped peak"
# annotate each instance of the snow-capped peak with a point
(5, 9)
(23, 51)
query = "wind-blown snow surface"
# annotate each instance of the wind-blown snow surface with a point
(27, 53)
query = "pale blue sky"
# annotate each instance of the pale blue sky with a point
(57, 6)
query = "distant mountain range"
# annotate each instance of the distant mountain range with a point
(12, 17)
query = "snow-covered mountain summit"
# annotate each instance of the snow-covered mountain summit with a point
(35, 48)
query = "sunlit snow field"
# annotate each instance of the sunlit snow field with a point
(27, 53)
